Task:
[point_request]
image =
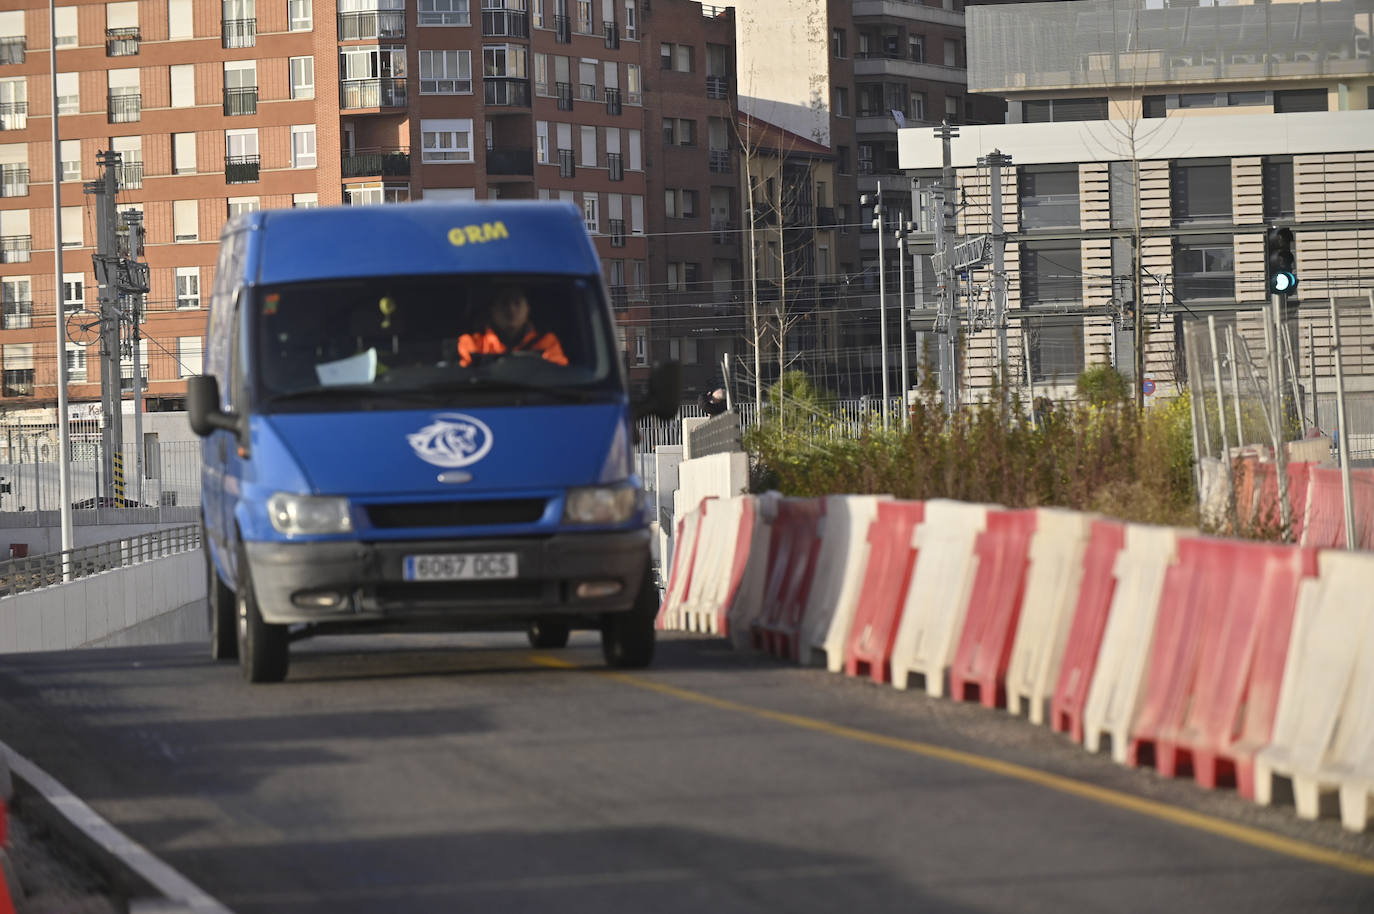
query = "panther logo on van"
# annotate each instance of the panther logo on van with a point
(452, 440)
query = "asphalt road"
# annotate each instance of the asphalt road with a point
(455, 773)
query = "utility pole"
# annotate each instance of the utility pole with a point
(64, 449)
(119, 275)
(996, 161)
(876, 200)
(903, 228)
(106, 219)
(944, 244)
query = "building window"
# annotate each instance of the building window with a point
(17, 297)
(679, 131)
(839, 101)
(303, 146)
(66, 26)
(302, 77)
(76, 363)
(1055, 110)
(1049, 197)
(446, 140)
(376, 192)
(842, 160)
(1205, 267)
(185, 221)
(240, 205)
(1055, 343)
(444, 12)
(183, 153)
(188, 288)
(300, 14)
(305, 201)
(1201, 190)
(679, 57)
(1051, 273)
(634, 84)
(72, 227)
(18, 367)
(68, 93)
(445, 72)
(1154, 106)
(1278, 187)
(590, 213)
(71, 160)
(837, 48)
(916, 48)
(189, 349)
(631, 21)
(73, 291)
(1295, 100)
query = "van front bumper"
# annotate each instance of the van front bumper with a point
(294, 582)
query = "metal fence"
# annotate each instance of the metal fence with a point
(835, 419)
(31, 573)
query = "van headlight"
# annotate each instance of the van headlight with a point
(601, 504)
(298, 515)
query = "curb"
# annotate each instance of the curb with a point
(146, 882)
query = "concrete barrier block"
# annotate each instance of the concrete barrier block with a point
(29, 611)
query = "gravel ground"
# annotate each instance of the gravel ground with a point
(53, 881)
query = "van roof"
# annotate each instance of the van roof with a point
(415, 238)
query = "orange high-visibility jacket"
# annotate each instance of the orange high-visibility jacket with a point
(488, 343)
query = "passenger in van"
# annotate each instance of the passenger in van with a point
(509, 329)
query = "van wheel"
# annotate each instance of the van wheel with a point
(264, 650)
(548, 633)
(627, 638)
(224, 644)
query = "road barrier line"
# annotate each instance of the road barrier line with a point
(1243, 834)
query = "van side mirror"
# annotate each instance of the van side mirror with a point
(202, 407)
(665, 392)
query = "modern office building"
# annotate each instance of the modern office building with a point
(1188, 129)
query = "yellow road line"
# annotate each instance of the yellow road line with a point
(1244, 834)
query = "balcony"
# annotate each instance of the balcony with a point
(129, 175)
(14, 115)
(372, 93)
(720, 161)
(14, 180)
(620, 297)
(15, 248)
(121, 42)
(358, 26)
(515, 160)
(239, 33)
(562, 29)
(617, 233)
(612, 33)
(612, 101)
(18, 382)
(825, 216)
(722, 232)
(717, 87)
(125, 107)
(567, 164)
(565, 96)
(904, 67)
(506, 93)
(505, 24)
(241, 100)
(369, 163)
(12, 50)
(241, 169)
(615, 166)
(17, 315)
(587, 92)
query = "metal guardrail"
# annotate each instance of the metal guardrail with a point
(37, 571)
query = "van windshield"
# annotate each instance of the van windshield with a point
(339, 343)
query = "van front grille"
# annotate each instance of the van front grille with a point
(477, 513)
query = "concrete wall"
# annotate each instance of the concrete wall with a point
(120, 606)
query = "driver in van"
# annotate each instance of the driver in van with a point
(509, 329)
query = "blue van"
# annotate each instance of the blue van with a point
(416, 416)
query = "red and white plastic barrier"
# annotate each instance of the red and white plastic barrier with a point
(886, 582)
(840, 566)
(933, 615)
(1056, 571)
(792, 565)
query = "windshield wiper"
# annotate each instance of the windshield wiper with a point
(334, 391)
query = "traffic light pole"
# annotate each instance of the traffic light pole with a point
(1279, 301)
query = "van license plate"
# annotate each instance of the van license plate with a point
(470, 566)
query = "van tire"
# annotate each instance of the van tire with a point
(548, 633)
(264, 649)
(627, 638)
(224, 641)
